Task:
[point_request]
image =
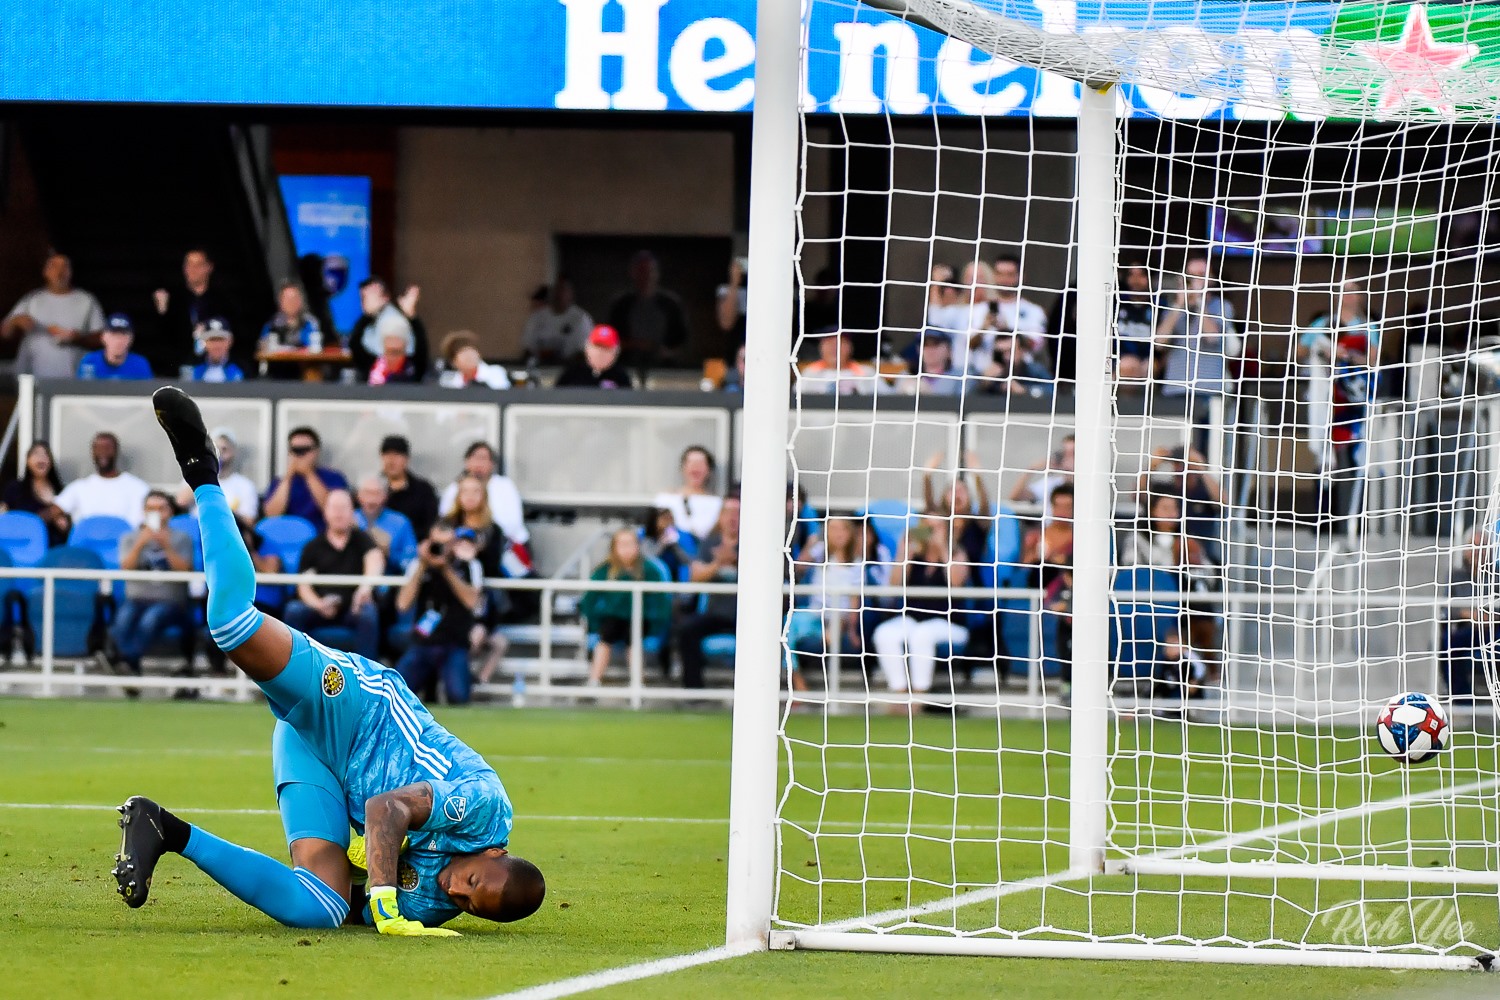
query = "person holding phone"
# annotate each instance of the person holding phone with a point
(150, 607)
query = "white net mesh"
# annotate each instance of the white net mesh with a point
(1304, 445)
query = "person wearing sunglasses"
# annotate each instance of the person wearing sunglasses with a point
(305, 486)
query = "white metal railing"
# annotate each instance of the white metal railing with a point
(46, 678)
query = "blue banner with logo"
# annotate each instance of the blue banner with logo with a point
(330, 217)
(638, 55)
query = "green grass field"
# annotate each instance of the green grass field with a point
(626, 813)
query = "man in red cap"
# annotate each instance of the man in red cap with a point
(600, 367)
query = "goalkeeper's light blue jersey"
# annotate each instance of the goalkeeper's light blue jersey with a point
(386, 739)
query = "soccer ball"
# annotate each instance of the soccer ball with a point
(1412, 727)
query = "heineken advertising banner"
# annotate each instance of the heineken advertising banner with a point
(1220, 59)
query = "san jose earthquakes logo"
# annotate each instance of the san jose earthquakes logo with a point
(333, 681)
(454, 807)
(406, 877)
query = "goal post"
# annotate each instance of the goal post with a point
(1141, 414)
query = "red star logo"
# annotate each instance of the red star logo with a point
(1416, 65)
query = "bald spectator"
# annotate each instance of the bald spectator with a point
(341, 550)
(650, 319)
(390, 530)
(56, 323)
(109, 492)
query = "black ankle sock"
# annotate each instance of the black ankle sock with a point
(175, 832)
(200, 473)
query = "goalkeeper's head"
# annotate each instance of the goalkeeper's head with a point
(494, 885)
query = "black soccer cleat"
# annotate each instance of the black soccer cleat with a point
(191, 445)
(142, 843)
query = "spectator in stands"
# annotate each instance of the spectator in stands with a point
(183, 313)
(1135, 326)
(718, 562)
(966, 316)
(1183, 473)
(1057, 599)
(660, 539)
(341, 549)
(407, 493)
(37, 491)
(504, 499)
(1162, 541)
(215, 365)
(600, 367)
(1013, 371)
(57, 323)
(836, 373)
(293, 327)
(906, 644)
(650, 320)
(244, 498)
(555, 333)
(934, 375)
(389, 529)
(1011, 313)
(694, 505)
(382, 316)
(151, 608)
(463, 366)
(444, 591)
(943, 293)
(734, 378)
(1196, 332)
(114, 360)
(109, 491)
(1050, 545)
(1037, 483)
(472, 519)
(304, 490)
(394, 365)
(1339, 354)
(973, 522)
(1461, 641)
(608, 612)
(731, 300)
(471, 509)
(825, 620)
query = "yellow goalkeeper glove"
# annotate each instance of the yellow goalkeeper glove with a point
(356, 853)
(388, 918)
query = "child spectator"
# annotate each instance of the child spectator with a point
(463, 366)
(608, 612)
(660, 539)
(37, 490)
(114, 360)
(695, 510)
(217, 339)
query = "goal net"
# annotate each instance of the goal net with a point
(1145, 428)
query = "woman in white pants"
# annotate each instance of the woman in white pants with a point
(907, 644)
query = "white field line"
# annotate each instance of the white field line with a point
(627, 973)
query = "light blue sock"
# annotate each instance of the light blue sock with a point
(232, 616)
(292, 896)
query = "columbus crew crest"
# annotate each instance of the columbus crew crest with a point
(406, 877)
(333, 681)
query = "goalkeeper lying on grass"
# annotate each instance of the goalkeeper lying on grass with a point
(352, 745)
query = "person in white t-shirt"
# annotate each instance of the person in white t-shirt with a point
(556, 332)
(57, 323)
(505, 499)
(244, 498)
(108, 492)
(965, 314)
(1011, 313)
(695, 510)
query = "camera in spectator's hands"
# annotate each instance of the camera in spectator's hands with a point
(434, 551)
